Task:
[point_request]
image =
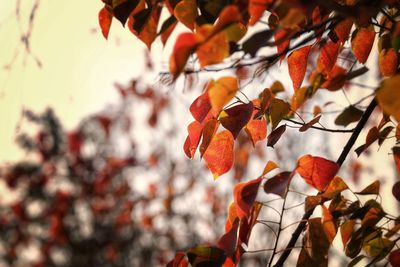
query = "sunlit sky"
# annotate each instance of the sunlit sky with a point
(79, 65)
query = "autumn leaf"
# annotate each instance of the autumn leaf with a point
(297, 64)
(195, 130)
(228, 16)
(371, 189)
(388, 62)
(349, 115)
(309, 124)
(269, 167)
(256, 10)
(282, 42)
(221, 92)
(362, 42)
(235, 118)
(212, 50)
(316, 171)
(278, 109)
(388, 96)
(336, 79)
(210, 128)
(105, 20)
(278, 184)
(256, 130)
(335, 187)
(179, 260)
(342, 29)
(123, 8)
(328, 224)
(328, 55)
(219, 154)
(346, 230)
(167, 28)
(206, 256)
(275, 135)
(200, 107)
(184, 46)
(396, 191)
(394, 257)
(244, 196)
(186, 13)
(396, 156)
(228, 241)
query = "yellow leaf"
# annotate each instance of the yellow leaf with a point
(221, 92)
(388, 96)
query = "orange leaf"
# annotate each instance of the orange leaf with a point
(194, 129)
(342, 29)
(269, 167)
(105, 20)
(346, 230)
(185, 44)
(221, 92)
(328, 56)
(316, 171)
(244, 197)
(309, 124)
(362, 43)
(328, 224)
(186, 12)
(297, 64)
(214, 49)
(282, 42)
(229, 15)
(256, 9)
(256, 130)
(235, 118)
(335, 80)
(219, 154)
(388, 62)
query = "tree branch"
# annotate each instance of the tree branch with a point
(322, 129)
(342, 157)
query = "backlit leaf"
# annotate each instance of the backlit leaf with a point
(186, 13)
(297, 64)
(235, 118)
(328, 55)
(256, 9)
(388, 96)
(278, 184)
(282, 42)
(316, 171)
(275, 135)
(311, 202)
(184, 46)
(308, 125)
(346, 230)
(335, 187)
(229, 15)
(105, 20)
(178, 261)
(221, 92)
(362, 43)
(328, 224)
(210, 128)
(269, 167)
(256, 130)
(388, 62)
(378, 247)
(278, 109)
(219, 154)
(200, 107)
(342, 29)
(245, 196)
(194, 129)
(316, 243)
(213, 50)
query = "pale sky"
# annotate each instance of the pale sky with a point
(79, 65)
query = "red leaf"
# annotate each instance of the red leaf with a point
(194, 129)
(185, 44)
(229, 15)
(388, 62)
(235, 118)
(276, 135)
(278, 184)
(282, 42)
(394, 257)
(362, 43)
(244, 197)
(342, 29)
(256, 9)
(396, 191)
(308, 125)
(396, 155)
(297, 63)
(328, 56)
(200, 107)
(316, 171)
(219, 154)
(105, 20)
(179, 260)
(227, 242)
(209, 130)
